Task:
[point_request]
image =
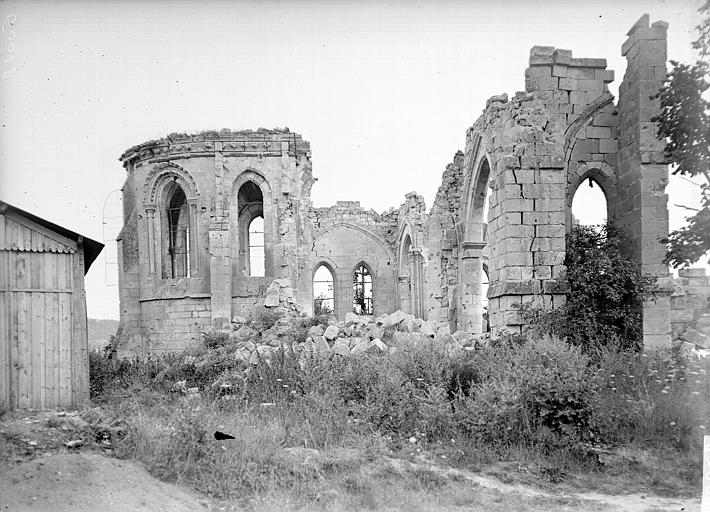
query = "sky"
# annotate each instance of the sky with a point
(384, 91)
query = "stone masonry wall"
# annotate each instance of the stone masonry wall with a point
(527, 155)
(175, 324)
(411, 242)
(442, 245)
(690, 307)
(345, 235)
(209, 167)
(521, 142)
(642, 170)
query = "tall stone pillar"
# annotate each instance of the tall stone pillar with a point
(219, 249)
(416, 263)
(405, 301)
(470, 312)
(642, 167)
(194, 237)
(150, 210)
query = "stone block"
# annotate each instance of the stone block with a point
(568, 84)
(605, 119)
(590, 85)
(548, 84)
(696, 337)
(562, 56)
(608, 145)
(519, 258)
(331, 332)
(578, 97)
(519, 205)
(549, 258)
(536, 217)
(341, 347)
(559, 71)
(588, 63)
(539, 72)
(598, 132)
(542, 271)
(550, 176)
(549, 205)
(580, 73)
(551, 231)
(605, 75)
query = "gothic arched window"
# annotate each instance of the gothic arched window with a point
(251, 229)
(362, 290)
(176, 239)
(323, 296)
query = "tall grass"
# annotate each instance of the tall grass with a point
(541, 397)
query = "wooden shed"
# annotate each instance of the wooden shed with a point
(43, 337)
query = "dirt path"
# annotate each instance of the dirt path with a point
(87, 482)
(581, 501)
(38, 473)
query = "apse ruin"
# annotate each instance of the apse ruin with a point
(211, 219)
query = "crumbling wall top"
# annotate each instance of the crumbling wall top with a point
(268, 142)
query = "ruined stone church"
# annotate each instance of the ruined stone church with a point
(211, 219)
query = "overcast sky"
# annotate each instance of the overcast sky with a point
(384, 91)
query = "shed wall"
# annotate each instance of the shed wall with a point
(43, 346)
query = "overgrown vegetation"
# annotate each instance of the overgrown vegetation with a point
(568, 395)
(542, 398)
(321, 306)
(606, 292)
(684, 123)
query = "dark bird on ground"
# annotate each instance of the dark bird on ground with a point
(221, 436)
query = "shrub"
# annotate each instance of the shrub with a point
(424, 362)
(658, 398)
(263, 318)
(535, 394)
(215, 339)
(321, 306)
(606, 291)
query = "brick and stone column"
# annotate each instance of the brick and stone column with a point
(642, 168)
(470, 312)
(219, 249)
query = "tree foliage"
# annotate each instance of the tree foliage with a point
(607, 290)
(685, 124)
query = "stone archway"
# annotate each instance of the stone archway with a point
(470, 303)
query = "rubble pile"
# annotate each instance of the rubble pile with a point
(356, 334)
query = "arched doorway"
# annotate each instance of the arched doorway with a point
(471, 301)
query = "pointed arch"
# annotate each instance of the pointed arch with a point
(363, 289)
(249, 200)
(476, 204)
(170, 201)
(323, 279)
(166, 172)
(600, 173)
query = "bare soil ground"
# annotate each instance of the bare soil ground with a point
(39, 472)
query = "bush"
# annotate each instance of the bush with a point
(606, 291)
(321, 306)
(263, 318)
(215, 339)
(537, 394)
(657, 398)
